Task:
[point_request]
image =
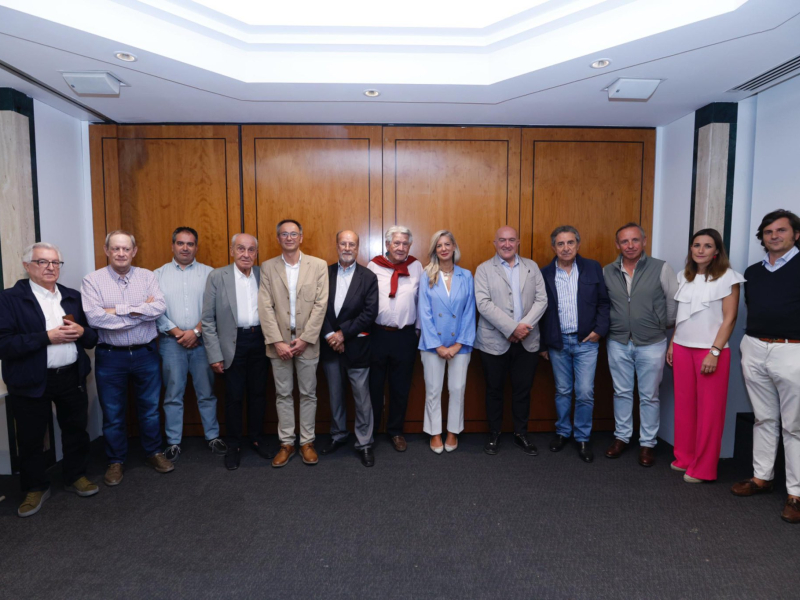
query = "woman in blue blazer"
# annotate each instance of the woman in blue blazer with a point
(447, 334)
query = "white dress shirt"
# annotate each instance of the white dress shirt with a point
(246, 298)
(58, 355)
(401, 310)
(292, 273)
(343, 280)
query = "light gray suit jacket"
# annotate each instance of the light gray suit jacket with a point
(220, 315)
(496, 305)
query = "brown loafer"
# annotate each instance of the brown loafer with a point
(791, 512)
(160, 463)
(616, 449)
(399, 443)
(308, 454)
(647, 456)
(284, 454)
(113, 474)
(748, 487)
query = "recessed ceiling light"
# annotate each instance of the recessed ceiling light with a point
(126, 56)
(371, 93)
(601, 63)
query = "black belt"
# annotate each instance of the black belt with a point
(254, 329)
(125, 348)
(59, 370)
(389, 328)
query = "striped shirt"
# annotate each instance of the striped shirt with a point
(183, 292)
(127, 294)
(567, 288)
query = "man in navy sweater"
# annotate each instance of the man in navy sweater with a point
(43, 337)
(771, 358)
(575, 320)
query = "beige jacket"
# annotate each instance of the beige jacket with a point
(310, 307)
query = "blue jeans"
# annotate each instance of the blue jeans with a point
(573, 368)
(113, 370)
(176, 364)
(647, 363)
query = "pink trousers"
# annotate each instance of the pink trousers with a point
(700, 401)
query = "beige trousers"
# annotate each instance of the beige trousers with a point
(283, 372)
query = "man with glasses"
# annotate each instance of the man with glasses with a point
(183, 281)
(123, 303)
(235, 346)
(292, 300)
(511, 298)
(43, 339)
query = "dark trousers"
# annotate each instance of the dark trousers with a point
(521, 364)
(247, 373)
(393, 354)
(32, 416)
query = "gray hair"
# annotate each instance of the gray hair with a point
(628, 226)
(236, 235)
(398, 230)
(120, 232)
(564, 229)
(27, 255)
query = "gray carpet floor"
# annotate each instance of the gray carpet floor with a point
(417, 525)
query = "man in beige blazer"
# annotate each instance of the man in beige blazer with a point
(292, 300)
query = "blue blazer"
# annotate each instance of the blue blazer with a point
(24, 341)
(593, 303)
(446, 320)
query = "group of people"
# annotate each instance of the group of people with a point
(366, 325)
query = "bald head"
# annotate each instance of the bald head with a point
(506, 242)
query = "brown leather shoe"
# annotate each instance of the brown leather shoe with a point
(308, 454)
(399, 443)
(160, 463)
(616, 449)
(748, 487)
(284, 454)
(791, 512)
(113, 474)
(647, 456)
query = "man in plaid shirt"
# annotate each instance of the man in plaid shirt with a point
(123, 303)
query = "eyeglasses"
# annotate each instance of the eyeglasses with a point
(289, 234)
(56, 264)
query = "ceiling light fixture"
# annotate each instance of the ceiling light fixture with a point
(126, 56)
(601, 63)
(372, 93)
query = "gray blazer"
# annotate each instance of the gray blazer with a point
(496, 306)
(220, 315)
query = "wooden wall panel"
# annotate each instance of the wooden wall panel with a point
(595, 180)
(465, 179)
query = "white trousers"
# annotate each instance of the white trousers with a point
(772, 376)
(434, 367)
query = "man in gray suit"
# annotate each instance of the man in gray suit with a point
(511, 298)
(235, 345)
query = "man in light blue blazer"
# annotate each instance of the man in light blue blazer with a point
(511, 298)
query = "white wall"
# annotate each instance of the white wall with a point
(65, 211)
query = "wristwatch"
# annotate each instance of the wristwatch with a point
(715, 351)
(199, 333)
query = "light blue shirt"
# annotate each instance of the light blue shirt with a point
(183, 292)
(567, 289)
(343, 280)
(513, 278)
(781, 261)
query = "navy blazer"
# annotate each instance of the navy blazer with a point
(446, 320)
(24, 340)
(358, 313)
(593, 303)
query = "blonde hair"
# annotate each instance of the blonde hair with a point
(433, 259)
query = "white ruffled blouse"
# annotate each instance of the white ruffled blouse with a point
(700, 308)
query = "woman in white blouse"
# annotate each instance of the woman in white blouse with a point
(708, 301)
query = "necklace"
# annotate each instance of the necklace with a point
(446, 274)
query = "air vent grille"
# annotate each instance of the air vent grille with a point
(779, 72)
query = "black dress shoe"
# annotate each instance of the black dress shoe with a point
(367, 457)
(493, 443)
(585, 451)
(232, 458)
(557, 443)
(262, 449)
(521, 440)
(333, 446)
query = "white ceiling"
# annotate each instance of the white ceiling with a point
(508, 62)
